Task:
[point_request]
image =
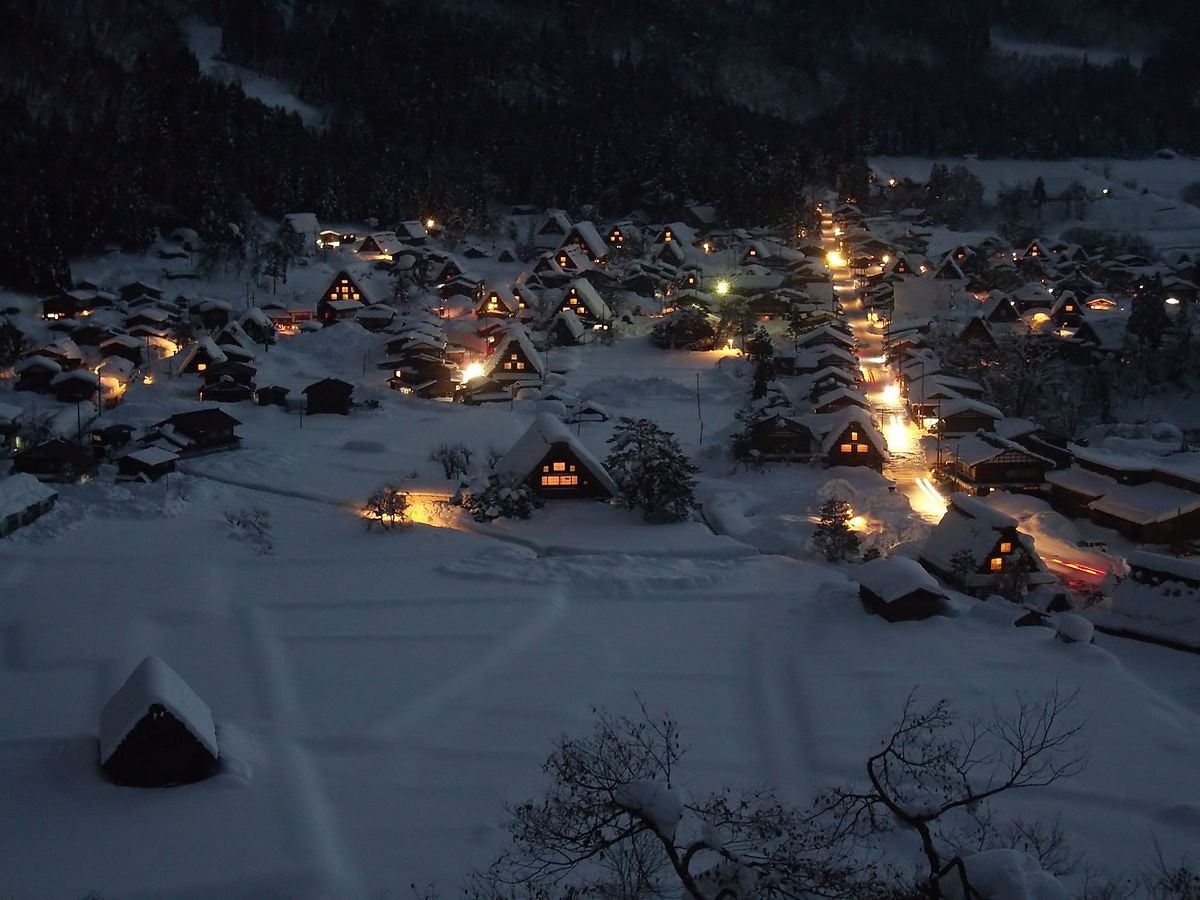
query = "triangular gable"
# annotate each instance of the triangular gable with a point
(515, 358)
(583, 300)
(585, 236)
(550, 458)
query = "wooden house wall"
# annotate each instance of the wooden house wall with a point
(584, 483)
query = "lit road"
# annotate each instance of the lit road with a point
(908, 467)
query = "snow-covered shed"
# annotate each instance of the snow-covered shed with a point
(554, 463)
(22, 499)
(899, 589)
(156, 732)
(1161, 589)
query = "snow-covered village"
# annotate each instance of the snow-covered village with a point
(838, 537)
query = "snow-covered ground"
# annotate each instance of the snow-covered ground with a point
(380, 697)
(1143, 194)
(205, 43)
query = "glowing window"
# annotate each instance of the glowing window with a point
(861, 448)
(200, 367)
(560, 480)
(520, 367)
(854, 435)
(508, 367)
(333, 295)
(560, 467)
(1006, 547)
(996, 563)
(846, 448)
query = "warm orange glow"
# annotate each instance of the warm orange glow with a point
(835, 259)
(472, 371)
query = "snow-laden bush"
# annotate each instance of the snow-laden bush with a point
(497, 498)
(1000, 874)
(252, 525)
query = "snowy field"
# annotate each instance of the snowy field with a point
(380, 697)
(1143, 194)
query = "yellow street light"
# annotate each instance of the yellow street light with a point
(722, 287)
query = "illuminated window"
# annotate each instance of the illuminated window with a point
(1006, 547)
(861, 448)
(996, 563)
(333, 296)
(200, 367)
(846, 448)
(560, 480)
(854, 435)
(520, 367)
(560, 467)
(357, 296)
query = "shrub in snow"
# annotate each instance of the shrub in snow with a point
(387, 507)
(833, 537)
(497, 498)
(252, 525)
(1073, 629)
(651, 471)
(455, 459)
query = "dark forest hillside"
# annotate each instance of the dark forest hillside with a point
(111, 130)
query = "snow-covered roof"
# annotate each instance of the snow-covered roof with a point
(960, 405)
(21, 491)
(1186, 569)
(302, 223)
(37, 362)
(892, 578)
(587, 232)
(834, 425)
(152, 456)
(825, 332)
(343, 305)
(518, 335)
(1145, 504)
(531, 448)
(85, 375)
(590, 298)
(568, 320)
(970, 524)
(10, 413)
(154, 682)
(979, 448)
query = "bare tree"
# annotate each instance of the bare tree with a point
(935, 775)
(387, 506)
(614, 824)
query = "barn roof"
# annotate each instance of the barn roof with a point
(154, 682)
(531, 448)
(591, 299)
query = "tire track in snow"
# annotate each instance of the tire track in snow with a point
(311, 815)
(784, 723)
(546, 619)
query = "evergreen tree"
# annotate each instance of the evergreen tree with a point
(1148, 319)
(651, 470)
(833, 537)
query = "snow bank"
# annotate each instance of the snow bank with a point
(1002, 875)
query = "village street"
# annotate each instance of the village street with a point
(908, 467)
